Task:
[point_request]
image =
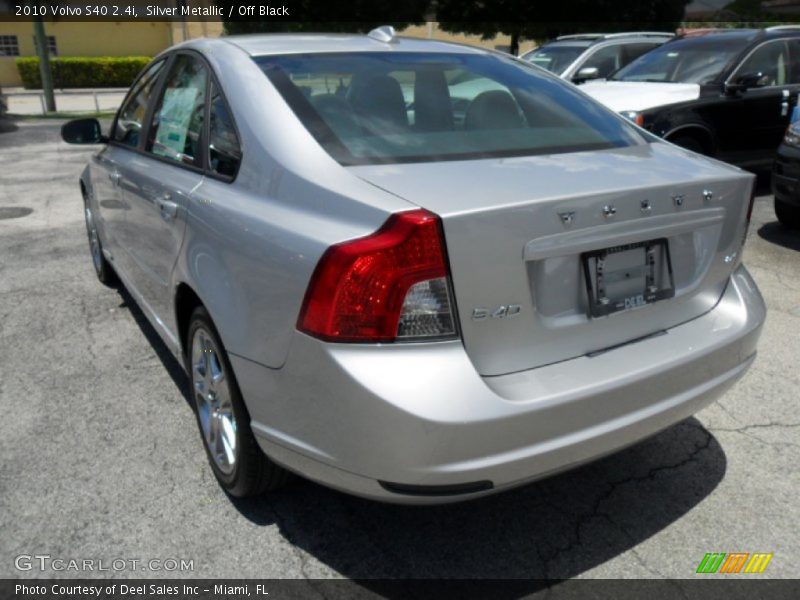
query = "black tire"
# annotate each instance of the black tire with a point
(102, 268)
(252, 472)
(690, 143)
(788, 215)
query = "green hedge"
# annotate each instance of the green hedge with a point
(77, 72)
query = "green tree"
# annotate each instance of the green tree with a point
(334, 16)
(529, 19)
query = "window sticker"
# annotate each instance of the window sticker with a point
(174, 119)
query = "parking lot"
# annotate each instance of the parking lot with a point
(101, 458)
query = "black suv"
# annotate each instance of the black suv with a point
(724, 93)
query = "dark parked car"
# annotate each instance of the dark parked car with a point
(584, 56)
(786, 178)
(726, 93)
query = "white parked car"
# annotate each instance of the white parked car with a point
(586, 56)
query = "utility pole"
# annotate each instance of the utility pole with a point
(43, 51)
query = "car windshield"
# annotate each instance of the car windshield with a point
(385, 107)
(690, 60)
(555, 57)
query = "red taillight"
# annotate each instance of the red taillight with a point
(391, 284)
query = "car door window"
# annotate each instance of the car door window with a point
(605, 60)
(794, 61)
(770, 59)
(130, 118)
(224, 152)
(177, 123)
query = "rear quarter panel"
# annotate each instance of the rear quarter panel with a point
(251, 245)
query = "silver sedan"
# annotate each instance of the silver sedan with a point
(411, 270)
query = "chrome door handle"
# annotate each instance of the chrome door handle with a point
(168, 208)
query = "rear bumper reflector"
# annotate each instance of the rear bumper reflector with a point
(437, 490)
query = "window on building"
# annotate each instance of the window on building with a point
(9, 45)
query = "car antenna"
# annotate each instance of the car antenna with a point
(385, 34)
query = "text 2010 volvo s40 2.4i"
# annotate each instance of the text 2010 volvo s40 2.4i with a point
(411, 270)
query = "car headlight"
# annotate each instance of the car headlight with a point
(792, 137)
(634, 116)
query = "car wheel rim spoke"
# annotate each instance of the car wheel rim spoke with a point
(213, 399)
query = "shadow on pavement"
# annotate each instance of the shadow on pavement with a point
(7, 125)
(172, 366)
(777, 234)
(556, 528)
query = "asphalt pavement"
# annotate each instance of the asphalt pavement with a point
(101, 458)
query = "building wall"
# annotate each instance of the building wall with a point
(190, 30)
(87, 39)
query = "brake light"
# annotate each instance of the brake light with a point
(390, 285)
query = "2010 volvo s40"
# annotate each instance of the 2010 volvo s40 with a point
(411, 270)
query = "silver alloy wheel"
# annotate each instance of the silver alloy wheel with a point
(213, 397)
(94, 239)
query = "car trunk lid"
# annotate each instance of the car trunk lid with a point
(519, 230)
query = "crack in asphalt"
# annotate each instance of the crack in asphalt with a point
(745, 430)
(583, 519)
(771, 424)
(280, 522)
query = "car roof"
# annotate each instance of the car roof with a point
(569, 43)
(312, 43)
(749, 33)
(711, 37)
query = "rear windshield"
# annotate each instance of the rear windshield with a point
(555, 58)
(389, 107)
(692, 60)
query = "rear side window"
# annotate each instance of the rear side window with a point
(130, 118)
(556, 57)
(384, 107)
(606, 60)
(224, 152)
(178, 118)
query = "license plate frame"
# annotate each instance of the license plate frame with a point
(608, 291)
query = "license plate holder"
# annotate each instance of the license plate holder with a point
(627, 276)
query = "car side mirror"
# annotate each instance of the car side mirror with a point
(586, 73)
(83, 131)
(747, 81)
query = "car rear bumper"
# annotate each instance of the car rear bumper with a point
(420, 419)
